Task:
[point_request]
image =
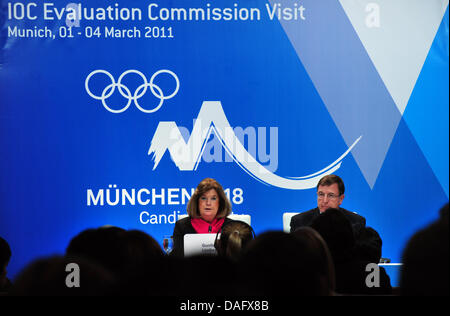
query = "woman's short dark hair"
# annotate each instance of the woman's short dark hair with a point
(203, 187)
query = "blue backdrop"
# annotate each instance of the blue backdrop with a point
(297, 90)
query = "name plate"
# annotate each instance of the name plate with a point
(199, 244)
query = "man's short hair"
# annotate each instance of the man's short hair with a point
(330, 180)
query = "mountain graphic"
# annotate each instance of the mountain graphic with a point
(187, 155)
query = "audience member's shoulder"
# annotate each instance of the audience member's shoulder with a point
(352, 214)
(426, 259)
(184, 221)
(49, 277)
(305, 213)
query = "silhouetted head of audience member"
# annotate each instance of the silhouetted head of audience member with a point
(277, 263)
(142, 248)
(145, 264)
(319, 252)
(368, 245)
(105, 246)
(201, 275)
(349, 266)
(128, 255)
(234, 237)
(443, 213)
(337, 232)
(64, 276)
(5, 256)
(425, 260)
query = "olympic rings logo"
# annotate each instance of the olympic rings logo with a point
(126, 93)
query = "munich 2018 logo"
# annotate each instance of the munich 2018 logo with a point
(211, 118)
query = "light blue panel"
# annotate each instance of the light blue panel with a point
(346, 80)
(427, 112)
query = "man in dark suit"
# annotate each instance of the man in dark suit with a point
(330, 194)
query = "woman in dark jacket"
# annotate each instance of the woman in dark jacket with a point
(208, 209)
